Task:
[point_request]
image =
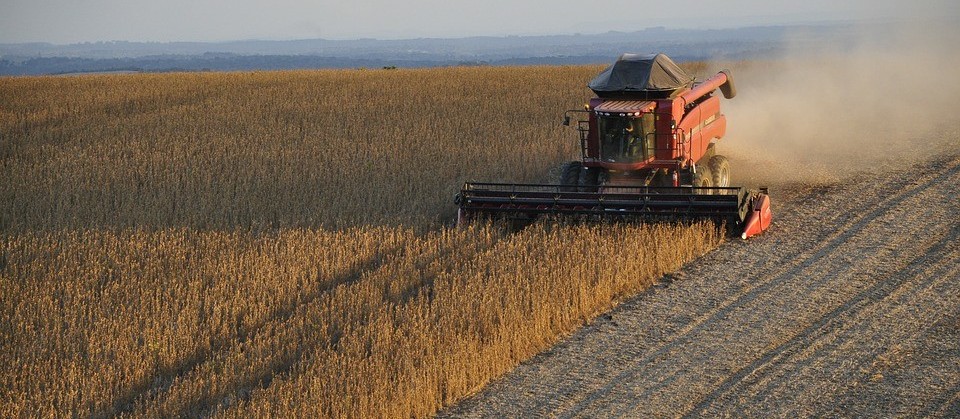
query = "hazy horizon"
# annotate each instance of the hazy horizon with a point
(67, 22)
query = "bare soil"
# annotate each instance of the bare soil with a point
(849, 306)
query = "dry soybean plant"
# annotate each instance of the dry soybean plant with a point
(243, 244)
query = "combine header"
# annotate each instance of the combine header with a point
(648, 151)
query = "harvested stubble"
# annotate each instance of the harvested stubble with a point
(227, 244)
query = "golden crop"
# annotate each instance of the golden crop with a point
(243, 244)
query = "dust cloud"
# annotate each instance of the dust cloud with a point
(884, 97)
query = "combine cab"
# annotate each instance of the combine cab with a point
(648, 151)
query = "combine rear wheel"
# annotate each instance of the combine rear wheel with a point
(720, 169)
(703, 178)
(570, 176)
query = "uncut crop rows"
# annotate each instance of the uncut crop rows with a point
(242, 244)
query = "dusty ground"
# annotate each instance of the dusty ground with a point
(849, 307)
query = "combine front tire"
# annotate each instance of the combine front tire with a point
(720, 170)
(570, 176)
(589, 179)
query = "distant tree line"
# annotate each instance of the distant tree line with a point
(65, 65)
(69, 65)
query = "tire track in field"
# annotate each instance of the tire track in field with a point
(838, 272)
(838, 318)
(756, 368)
(663, 384)
(824, 250)
(855, 389)
(862, 338)
(949, 407)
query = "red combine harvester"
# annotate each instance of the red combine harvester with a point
(648, 149)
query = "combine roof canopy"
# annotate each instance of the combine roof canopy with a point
(640, 75)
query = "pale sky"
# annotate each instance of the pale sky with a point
(71, 21)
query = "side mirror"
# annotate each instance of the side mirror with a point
(566, 120)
